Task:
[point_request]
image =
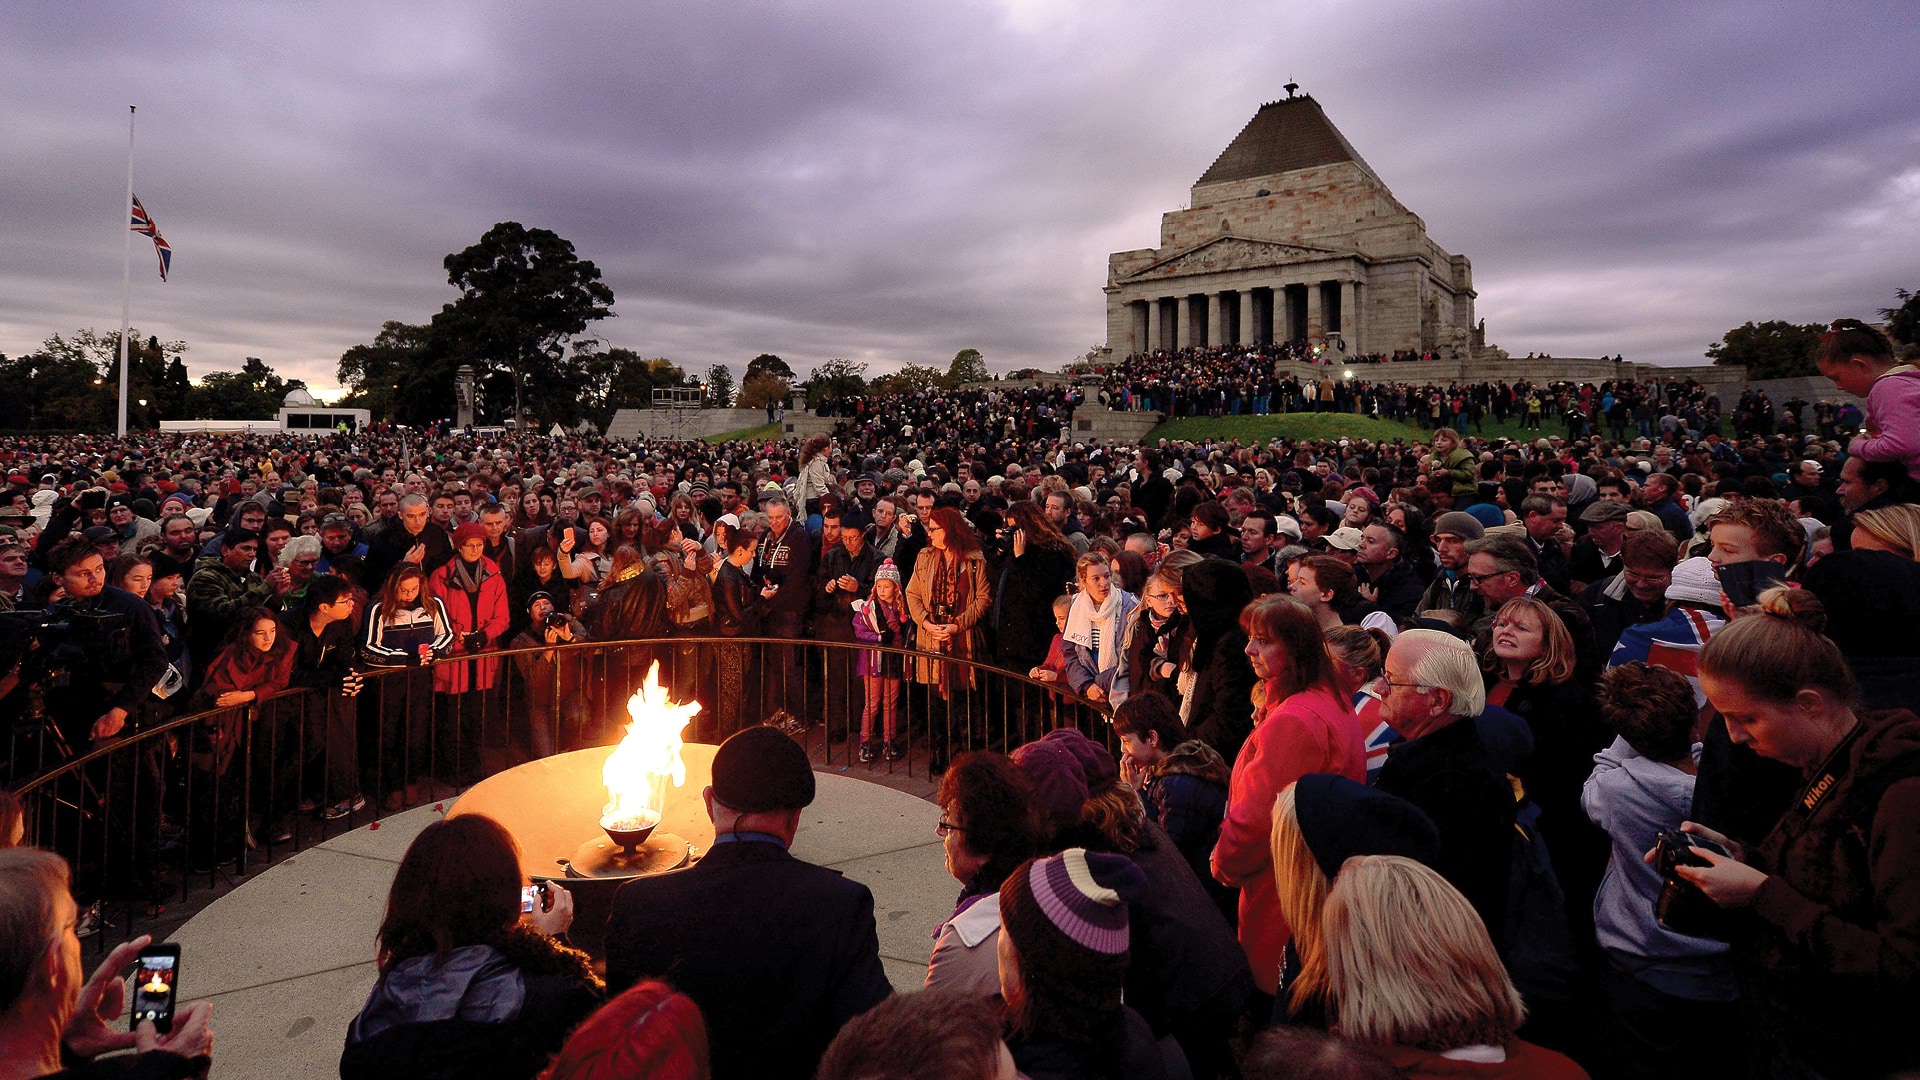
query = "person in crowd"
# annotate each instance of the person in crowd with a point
(989, 825)
(1829, 890)
(1598, 554)
(1860, 361)
(541, 573)
(1358, 655)
(1660, 495)
(473, 596)
(470, 983)
(1449, 590)
(324, 646)
(243, 745)
(1659, 983)
(1154, 638)
(1873, 614)
(1636, 593)
(1095, 628)
(407, 627)
(649, 1032)
(1053, 669)
(1451, 466)
(1319, 822)
(220, 587)
(930, 1035)
(1216, 679)
(1041, 566)
(1890, 528)
(774, 990)
(1413, 976)
(1306, 726)
(1501, 568)
(412, 538)
(736, 613)
(1388, 585)
(881, 619)
(55, 1020)
(1328, 587)
(553, 678)
(1433, 694)
(1064, 946)
(1548, 536)
(1529, 667)
(947, 596)
(783, 574)
(1181, 780)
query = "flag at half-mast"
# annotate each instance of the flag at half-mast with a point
(144, 224)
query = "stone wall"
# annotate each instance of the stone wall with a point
(688, 424)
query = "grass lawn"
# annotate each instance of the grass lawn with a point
(1247, 429)
(764, 431)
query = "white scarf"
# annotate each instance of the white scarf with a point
(1083, 618)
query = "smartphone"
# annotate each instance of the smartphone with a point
(1744, 582)
(156, 986)
(533, 898)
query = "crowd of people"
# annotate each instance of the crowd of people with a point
(1262, 380)
(1573, 756)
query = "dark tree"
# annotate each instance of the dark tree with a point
(834, 380)
(401, 376)
(719, 387)
(523, 293)
(968, 367)
(1769, 350)
(1903, 322)
(768, 364)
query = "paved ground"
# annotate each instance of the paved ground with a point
(287, 957)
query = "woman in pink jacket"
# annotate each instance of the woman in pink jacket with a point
(1305, 726)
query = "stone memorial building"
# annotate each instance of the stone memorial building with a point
(1291, 235)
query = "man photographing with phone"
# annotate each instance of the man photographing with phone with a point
(55, 1022)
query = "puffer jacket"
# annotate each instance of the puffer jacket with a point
(496, 1011)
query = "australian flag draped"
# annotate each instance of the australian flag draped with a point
(144, 224)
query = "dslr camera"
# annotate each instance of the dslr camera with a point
(1681, 906)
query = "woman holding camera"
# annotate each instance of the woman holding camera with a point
(1833, 891)
(472, 980)
(556, 705)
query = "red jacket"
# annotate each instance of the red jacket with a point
(1314, 731)
(485, 612)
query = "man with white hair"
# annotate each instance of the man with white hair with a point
(50, 1014)
(1432, 693)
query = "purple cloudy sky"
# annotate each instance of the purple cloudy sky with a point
(891, 182)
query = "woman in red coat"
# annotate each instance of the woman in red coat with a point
(1305, 726)
(474, 594)
(255, 665)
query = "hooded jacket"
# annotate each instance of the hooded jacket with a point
(1216, 680)
(494, 1011)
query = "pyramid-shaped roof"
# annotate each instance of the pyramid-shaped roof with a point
(1283, 136)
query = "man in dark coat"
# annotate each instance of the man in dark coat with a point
(1387, 583)
(778, 953)
(412, 538)
(1433, 693)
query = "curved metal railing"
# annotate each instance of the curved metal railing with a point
(180, 809)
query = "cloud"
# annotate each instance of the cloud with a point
(890, 183)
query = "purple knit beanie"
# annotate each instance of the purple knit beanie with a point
(1059, 783)
(1096, 763)
(1067, 914)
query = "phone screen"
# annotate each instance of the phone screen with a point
(155, 986)
(529, 898)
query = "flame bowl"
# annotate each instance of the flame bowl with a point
(630, 832)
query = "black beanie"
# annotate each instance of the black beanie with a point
(761, 769)
(1340, 819)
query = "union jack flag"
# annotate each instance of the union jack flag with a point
(144, 224)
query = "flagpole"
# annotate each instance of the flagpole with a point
(126, 274)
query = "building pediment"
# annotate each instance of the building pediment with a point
(1232, 253)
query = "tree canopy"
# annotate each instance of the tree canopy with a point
(1769, 350)
(834, 380)
(968, 366)
(768, 364)
(719, 387)
(523, 294)
(1903, 322)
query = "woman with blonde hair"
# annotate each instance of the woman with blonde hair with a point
(1318, 823)
(1893, 528)
(1413, 976)
(1096, 626)
(1831, 889)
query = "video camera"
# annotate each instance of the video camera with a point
(48, 645)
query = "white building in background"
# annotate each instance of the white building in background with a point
(301, 413)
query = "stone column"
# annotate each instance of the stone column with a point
(1153, 324)
(1246, 316)
(1349, 329)
(1216, 323)
(1314, 327)
(1137, 324)
(1182, 322)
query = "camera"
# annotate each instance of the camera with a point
(1681, 906)
(534, 897)
(555, 620)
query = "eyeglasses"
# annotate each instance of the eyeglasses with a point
(1388, 684)
(1664, 578)
(1158, 596)
(1480, 579)
(946, 827)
